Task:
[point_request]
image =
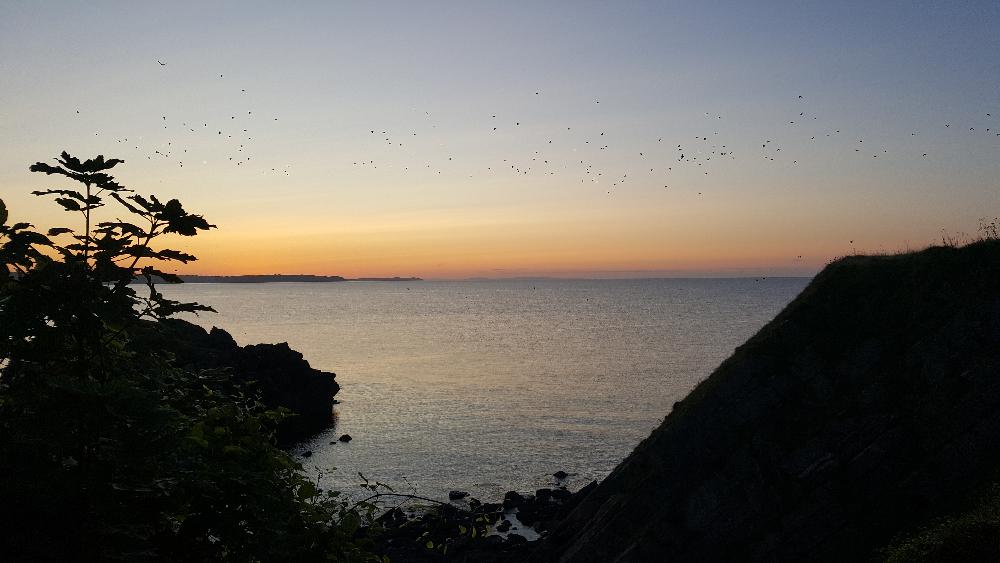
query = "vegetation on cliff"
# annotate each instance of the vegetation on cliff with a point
(111, 449)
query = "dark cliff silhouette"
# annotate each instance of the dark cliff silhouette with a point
(869, 407)
(283, 377)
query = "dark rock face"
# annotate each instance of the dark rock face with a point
(284, 378)
(345, 438)
(870, 405)
(512, 499)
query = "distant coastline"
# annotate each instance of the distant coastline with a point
(277, 278)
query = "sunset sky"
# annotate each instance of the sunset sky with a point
(853, 93)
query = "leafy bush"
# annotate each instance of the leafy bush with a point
(107, 450)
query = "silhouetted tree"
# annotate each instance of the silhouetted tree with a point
(108, 451)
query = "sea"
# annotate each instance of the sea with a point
(490, 386)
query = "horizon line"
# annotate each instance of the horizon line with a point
(582, 277)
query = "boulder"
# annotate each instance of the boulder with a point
(543, 495)
(560, 494)
(527, 514)
(512, 499)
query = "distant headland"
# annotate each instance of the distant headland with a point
(274, 278)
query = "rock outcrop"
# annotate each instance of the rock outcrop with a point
(283, 376)
(869, 406)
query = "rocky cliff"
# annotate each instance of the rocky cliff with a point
(283, 376)
(868, 407)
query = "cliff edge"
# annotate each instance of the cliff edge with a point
(865, 409)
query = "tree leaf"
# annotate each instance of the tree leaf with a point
(70, 193)
(139, 251)
(49, 169)
(167, 254)
(69, 204)
(127, 205)
(3, 212)
(31, 237)
(167, 277)
(180, 221)
(70, 162)
(125, 228)
(307, 490)
(143, 202)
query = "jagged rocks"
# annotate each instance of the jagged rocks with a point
(281, 374)
(497, 538)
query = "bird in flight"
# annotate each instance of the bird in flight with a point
(161, 62)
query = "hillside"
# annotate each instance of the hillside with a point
(867, 408)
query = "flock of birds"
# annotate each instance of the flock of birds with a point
(584, 155)
(234, 134)
(547, 157)
(581, 154)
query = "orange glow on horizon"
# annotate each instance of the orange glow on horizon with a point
(556, 240)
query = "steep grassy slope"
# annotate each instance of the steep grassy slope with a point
(870, 405)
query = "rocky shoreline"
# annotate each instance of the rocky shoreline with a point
(283, 376)
(468, 530)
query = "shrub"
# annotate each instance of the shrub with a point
(107, 450)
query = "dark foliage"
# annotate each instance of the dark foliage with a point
(108, 449)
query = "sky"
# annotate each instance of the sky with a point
(506, 139)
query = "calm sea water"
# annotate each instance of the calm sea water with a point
(494, 385)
